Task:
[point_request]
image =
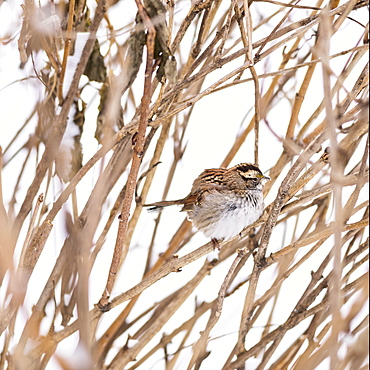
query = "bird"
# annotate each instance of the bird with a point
(222, 201)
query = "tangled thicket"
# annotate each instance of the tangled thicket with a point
(290, 292)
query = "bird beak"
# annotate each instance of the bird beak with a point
(265, 179)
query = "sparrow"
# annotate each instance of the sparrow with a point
(222, 202)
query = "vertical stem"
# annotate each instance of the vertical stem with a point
(257, 96)
(67, 47)
(136, 159)
(257, 114)
(336, 177)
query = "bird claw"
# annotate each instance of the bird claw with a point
(216, 244)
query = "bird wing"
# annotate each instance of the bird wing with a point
(209, 179)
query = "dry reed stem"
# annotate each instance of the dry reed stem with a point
(138, 152)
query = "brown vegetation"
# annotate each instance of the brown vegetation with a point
(295, 282)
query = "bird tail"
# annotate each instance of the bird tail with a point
(158, 206)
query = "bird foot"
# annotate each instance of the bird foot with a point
(216, 244)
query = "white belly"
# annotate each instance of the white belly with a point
(223, 217)
(231, 224)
